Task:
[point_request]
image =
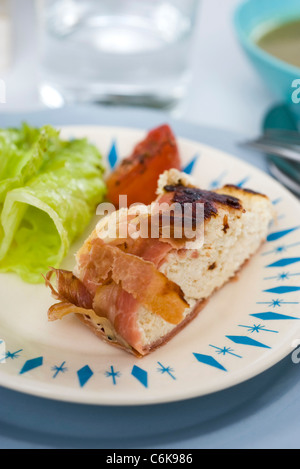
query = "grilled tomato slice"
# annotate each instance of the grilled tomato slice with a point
(137, 175)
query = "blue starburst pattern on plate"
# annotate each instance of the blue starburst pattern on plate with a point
(257, 328)
(11, 355)
(280, 249)
(271, 316)
(225, 351)
(282, 276)
(113, 155)
(209, 360)
(280, 234)
(189, 168)
(165, 369)
(140, 374)
(277, 303)
(113, 375)
(59, 369)
(244, 340)
(84, 375)
(30, 365)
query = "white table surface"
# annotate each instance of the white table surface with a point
(225, 90)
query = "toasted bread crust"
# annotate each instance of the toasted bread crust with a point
(243, 190)
(211, 200)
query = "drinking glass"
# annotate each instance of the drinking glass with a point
(115, 51)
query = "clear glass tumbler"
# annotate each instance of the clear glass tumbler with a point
(115, 51)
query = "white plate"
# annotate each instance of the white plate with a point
(247, 326)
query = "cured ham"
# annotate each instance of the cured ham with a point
(114, 285)
(137, 292)
(69, 288)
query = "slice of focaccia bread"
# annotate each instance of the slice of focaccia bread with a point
(138, 292)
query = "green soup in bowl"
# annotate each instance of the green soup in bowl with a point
(269, 32)
(283, 41)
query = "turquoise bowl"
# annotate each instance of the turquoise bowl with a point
(251, 19)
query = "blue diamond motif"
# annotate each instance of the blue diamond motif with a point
(209, 360)
(84, 374)
(243, 340)
(31, 364)
(279, 234)
(217, 182)
(284, 262)
(276, 201)
(270, 316)
(188, 169)
(243, 181)
(281, 290)
(113, 155)
(141, 375)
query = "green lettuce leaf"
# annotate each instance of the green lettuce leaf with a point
(23, 152)
(51, 198)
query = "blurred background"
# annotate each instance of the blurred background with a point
(224, 89)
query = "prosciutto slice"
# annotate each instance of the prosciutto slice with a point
(113, 285)
(136, 276)
(69, 288)
(120, 308)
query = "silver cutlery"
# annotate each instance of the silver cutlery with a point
(285, 144)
